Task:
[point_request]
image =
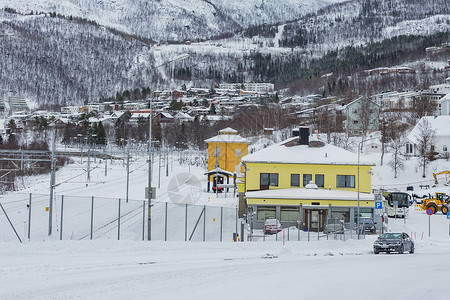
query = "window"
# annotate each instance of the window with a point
(269, 179)
(320, 180)
(295, 180)
(355, 111)
(345, 181)
(355, 121)
(238, 152)
(409, 148)
(444, 148)
(289, 214)
(341, 213)
(306, 179)
(266, 212)
(363, 213)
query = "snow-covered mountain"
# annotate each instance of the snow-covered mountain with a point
(80, 50)
(175, 20)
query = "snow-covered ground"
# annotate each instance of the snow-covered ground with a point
(110, 269)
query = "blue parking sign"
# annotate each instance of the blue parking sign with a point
(378, 205)
(448, 215)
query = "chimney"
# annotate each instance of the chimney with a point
(304, 135)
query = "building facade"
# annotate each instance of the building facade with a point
(362, 116)
(278, 179)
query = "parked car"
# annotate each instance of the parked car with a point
(272, 226)
(334, 225)
(393, 242)
(366, 225)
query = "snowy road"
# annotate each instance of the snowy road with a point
(142, 270)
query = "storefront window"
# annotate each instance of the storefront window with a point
(289, 214)
(266, 212)
(341, 213)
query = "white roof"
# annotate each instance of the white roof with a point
(140, 114)
(303, 193)
(303, 154)
(441, 125)
(228, 138)
(228, 130)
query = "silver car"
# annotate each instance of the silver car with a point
(334, 225)
(393, 242)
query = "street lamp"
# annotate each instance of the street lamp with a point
(149, 189)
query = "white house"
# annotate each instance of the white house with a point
(183, 117)
(440, 88)
(444, 105)
(441, 127)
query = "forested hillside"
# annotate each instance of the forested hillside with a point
(61, 52)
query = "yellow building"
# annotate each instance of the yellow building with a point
(226, 150)
(276, 180)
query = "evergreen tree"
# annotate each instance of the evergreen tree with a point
(101, 134)
(11, 125)
(66, 135)
(212, 109)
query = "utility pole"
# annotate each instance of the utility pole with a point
(128, 168)
(52, 185)
(149, 226)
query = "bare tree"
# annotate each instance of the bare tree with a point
(422, 106)
(384, 136)
(366, 115)
(396, 144)
(425, 139)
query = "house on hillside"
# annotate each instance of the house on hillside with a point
(441, 142)
(362, 116)
(306, 180)
(182, 117)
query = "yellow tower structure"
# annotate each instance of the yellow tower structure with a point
(226, 150)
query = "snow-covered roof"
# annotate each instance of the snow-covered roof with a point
(303, 193)
(445, 98)
(440, 125)
(183, 115)
(217, 117)
(304, 154)
(228, 138)
(228, 130)
(139, 115)
(219, 170)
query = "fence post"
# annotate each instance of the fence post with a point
(289, 223)
(264, 227)
(143, 220)
(318, 227)
(165, 224)
(298, 223)
(204, 222)
(221, 218)
(29, 217)
(236, 220)
(118, 224)
(92, 216)
(309, 223)
(185, 224)
(62, 212)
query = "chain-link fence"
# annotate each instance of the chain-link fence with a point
(34, 218)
